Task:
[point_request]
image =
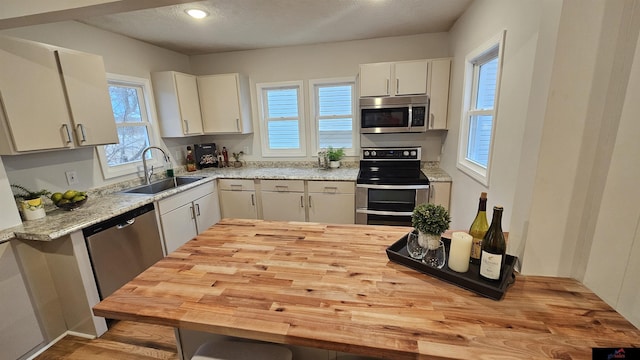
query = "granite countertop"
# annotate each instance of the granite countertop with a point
(107, 202)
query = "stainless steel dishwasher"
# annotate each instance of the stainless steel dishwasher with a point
(122, 247)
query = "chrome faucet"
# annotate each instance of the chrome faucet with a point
(148, 173)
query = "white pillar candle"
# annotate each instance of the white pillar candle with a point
(460, 251)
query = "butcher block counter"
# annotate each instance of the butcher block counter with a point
(333, 287)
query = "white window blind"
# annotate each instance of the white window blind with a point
(333, 111)
(282, 124)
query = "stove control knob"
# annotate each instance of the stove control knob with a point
(405, 153)
(366, 153)
(373, 153)
(413, 153)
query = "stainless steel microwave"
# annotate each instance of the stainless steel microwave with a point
(394, 114)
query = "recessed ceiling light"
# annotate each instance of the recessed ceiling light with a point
(197, 13)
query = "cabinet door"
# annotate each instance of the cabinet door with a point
(410, 78)
(440, 193)
(19, 327)
(238, 204)
(207, 210)
(37, 117)
(375, 79)
(332, 208)
(178, 226)
(220, 103)
(88, 94)
(439, 93)
(187, 92)
(284, 206)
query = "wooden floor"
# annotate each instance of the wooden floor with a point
(124, 340)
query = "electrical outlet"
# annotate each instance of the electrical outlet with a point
(72, 177)
(245, 150)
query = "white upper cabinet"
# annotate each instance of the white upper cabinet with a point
(48, 94)
(176, 96)
(393, 78)
(224, 102)
(438, 90)
(89, 101)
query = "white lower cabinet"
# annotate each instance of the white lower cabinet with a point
(185, 215)
(331, 201)
(20, 332)
(238, 198)
(283, 200)
(440, 193)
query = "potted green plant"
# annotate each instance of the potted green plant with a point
(334, 156)
(30, 202)
(236, 157)
(431, 221)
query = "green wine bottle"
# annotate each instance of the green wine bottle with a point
(494, 248)
(479, 228)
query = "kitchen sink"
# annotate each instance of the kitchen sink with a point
(163, 185)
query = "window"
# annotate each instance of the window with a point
(479, 113)
(130, 104)
(332, 108)
(281, 118)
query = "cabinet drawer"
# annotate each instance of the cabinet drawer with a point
(177, 200)
(236, 184)
(282, 185)
(332, 187)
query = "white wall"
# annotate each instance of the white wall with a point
(528, 55)
(121, 55)
(322, 61)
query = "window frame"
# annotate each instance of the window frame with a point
(473, 61)
(314, 111)
(261, 89)
(109, 172)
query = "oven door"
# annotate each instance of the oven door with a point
(388, 204)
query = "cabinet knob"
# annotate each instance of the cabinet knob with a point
(80, 128)
(66, 127)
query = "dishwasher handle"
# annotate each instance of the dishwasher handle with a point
(125, 224)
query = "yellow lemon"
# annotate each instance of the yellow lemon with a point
(78, 198)
(69, 194)
(34, 202)
(56, 197)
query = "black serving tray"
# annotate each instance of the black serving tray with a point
(470, 280)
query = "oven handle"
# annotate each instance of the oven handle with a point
(388, 213)
(393, 187)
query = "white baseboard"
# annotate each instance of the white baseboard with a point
(54, 341)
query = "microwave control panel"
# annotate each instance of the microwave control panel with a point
(418, 115)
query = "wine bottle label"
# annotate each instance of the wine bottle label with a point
(476, 245)
(490, 265)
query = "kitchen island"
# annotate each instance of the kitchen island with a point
(332, 287)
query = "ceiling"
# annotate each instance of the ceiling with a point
(253, 24)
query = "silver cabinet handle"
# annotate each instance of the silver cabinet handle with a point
(282, 188)
(238, 124)
(331, 189)
(197, 209)
(301, 201)
(253, 200)
(431, 120)
(193, 214)
(80, 128)
(186, 126)
(397, 86)
(66, 127)
(309, 201)
(387, 86)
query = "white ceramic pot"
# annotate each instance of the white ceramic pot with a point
(334, 164)
(32, 209)
(429, 241)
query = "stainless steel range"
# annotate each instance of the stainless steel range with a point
(389, 186)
